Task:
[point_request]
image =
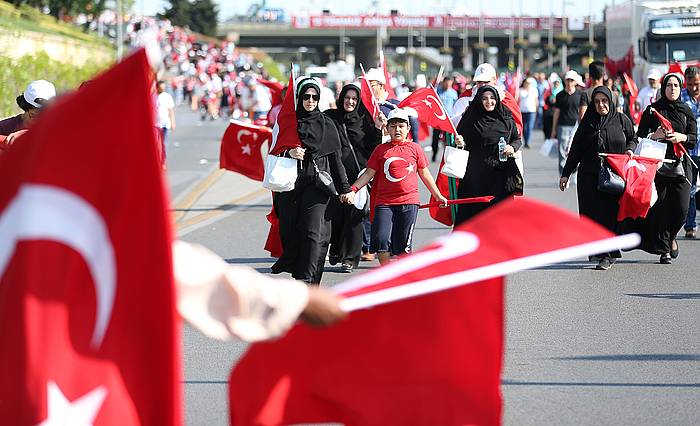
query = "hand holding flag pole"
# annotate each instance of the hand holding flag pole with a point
(678, 148)
(473, 200)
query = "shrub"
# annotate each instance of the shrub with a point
(16, 74)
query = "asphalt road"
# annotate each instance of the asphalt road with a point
(583, 346)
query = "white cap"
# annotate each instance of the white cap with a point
(654, 74)
(573, 75)
(398, 114)
(484, 72)
(39, 89)
(375, 74)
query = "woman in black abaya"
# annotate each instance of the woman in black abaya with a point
(667, 216)
(602, 130)
(359, 136)
(483, 124)
(303, 215)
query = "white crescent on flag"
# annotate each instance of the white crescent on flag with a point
(443, 114)
(387, 173)
(240, 133)
(43, 212)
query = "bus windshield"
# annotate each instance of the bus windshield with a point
(679, 49)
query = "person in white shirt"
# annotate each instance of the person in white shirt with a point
(529, 98)
(647, 94)
(260, 101)
(165, 115)
(327, 100)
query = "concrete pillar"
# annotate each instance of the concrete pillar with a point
(365, 52)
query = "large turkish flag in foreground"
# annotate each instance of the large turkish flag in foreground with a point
(88, 326)
(240, 149)
(424, 343)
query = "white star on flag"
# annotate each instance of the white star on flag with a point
(427, 103)
(246, 149)
(409, 168)
(80, 412)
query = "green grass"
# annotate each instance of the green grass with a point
(26, 18)
(16, 74)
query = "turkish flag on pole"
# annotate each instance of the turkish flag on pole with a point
(639, 174)
(367, 95)
(88, 324)
(634, 93)
(284, 133)
(382, 65)
(678, 148)
(427, 104)
(240, 149)
(443, 215)
(430, 349)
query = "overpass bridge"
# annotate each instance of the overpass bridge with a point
(324, 38)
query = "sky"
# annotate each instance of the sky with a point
(228, 8)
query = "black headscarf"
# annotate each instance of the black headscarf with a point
(355, 121)
(488, 126)
(677, 112)
(593, 122)
(316, 131)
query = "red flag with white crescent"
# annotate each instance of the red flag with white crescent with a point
(241, 149)
(427, 104)
(423, 343)
(639, 174)
(87, 304)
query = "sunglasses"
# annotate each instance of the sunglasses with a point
(308, 96)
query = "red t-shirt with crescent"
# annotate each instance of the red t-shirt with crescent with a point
(396, 179)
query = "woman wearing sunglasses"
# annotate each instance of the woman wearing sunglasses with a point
(303, 212)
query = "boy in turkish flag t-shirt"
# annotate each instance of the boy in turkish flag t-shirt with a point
(395, 167)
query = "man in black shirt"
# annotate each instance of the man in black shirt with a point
(566, 108)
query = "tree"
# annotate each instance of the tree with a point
(204, 15)
(178, 13)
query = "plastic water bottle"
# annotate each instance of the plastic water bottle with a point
(502, 157)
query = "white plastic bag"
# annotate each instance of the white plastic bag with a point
(651, 149)
(550, 148)
(361, 196)
(455, 162)
(280, 173)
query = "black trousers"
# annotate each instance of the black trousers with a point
(305, 232)
(598, 206)
(346, 232)
(667, 216)
(436, 143)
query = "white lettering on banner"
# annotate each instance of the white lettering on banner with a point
(42, 212)
(423, 21)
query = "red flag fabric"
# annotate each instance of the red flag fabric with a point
(87, 304)
(510, 103)
(367, 96)
(430, 349)
(275, 88)
(427, 104)
(240, 149)
(382, 64)
(423, 131)
(676, 67)
(634, 92)
(442, 215)
(639, 174)
(678, 148)
(284, 133)
(273, 244)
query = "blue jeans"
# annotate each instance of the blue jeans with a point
(392, 228)
(692, 206)
(528, 124)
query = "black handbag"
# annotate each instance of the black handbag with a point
(672, 170)
(324, 181)
(514, 184)
(609, 181)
